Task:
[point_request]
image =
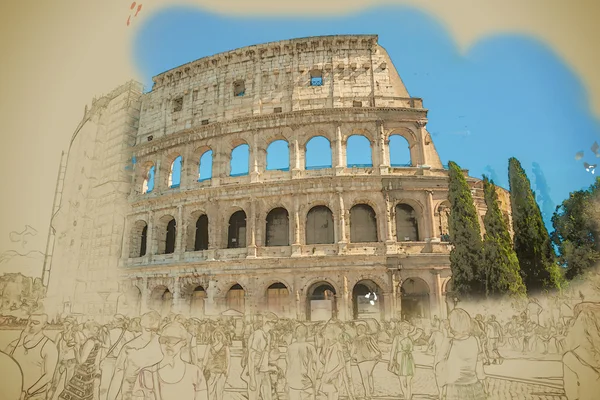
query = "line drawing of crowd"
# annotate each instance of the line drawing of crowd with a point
(175, 357)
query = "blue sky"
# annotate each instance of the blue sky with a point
(507, 96)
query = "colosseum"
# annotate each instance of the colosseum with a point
(153, 212)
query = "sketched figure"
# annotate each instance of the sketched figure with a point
(125, 374)
(494, 337)
(581, 361)
(115, 335)
(12, 378)
(82, 386)
(259, 382)
(346, 339)
(66, 358)
(366, 353)
(301, 366)
(461, 368)
(333, 360)
(402, 363)
(171, 377)
(216, 365)
(37, 356)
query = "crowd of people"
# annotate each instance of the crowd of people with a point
(175, 357)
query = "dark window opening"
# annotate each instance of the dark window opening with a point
(201, 242)
(237, 230)
(204, 122)
(170, 242)
(144, 241)
(357, 104)
(178, 104)
(316, 78)
(277, 110)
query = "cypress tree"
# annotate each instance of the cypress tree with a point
(465, 238)
(532, 244)
(501, 264)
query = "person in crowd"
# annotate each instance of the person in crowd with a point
(494, 338)
(301, 366)
(66, 358)
(216, 365)
(401, 361)
(37, 356)
(366, 354)
(331, 379)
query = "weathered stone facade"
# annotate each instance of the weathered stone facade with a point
(298, 241)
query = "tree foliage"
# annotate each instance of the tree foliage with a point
(501, 264)
(532, 244)
(576, 233)
(465, 237)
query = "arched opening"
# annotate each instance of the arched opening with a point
(367, 300)
(319, 226)
(278, 299)
(363, 224)
(167, 227)
(129, 303)
(407, 227)
(443, 214)
(240, 160)
(205, 166)
(278, 227)
(197, 302)
(356, 152)
(175, 173)
(201, 234)
(235, 299)
(318, 153)
(148, 183)
(161, 300)
(278, 156)
(237, 230)
(321, 302)
(399, 150)
(139, 238)
(415, 299)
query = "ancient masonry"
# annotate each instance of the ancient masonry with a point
(132, 233)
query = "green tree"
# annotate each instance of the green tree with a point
(501, 264)
(576, 233)
(465, 238)
(532, 243)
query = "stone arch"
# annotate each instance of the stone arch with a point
(442, 217)
(321, 301)
(398, 157)
(277, 296)
(235, 298)
(148, 177)
(408, 221)
(161, 300)
(129, 302)
(197, 301)
(197, 231)
(317, 153)
(167, 234)
(172, 160)
(355, 154)
(415, 295)
(411, 138)
(367, 307)
(203, 162)
(320, 225)
(363, 224)
(278, 155)
(138, 239)
(277, 227)
(236, 232)
(239, 158)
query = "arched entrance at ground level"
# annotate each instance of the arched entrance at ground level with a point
(235, 299)
(197, 302)
(415, 301)
(161, 300)
(129, 303)
(278, 299)
(367, 300)
(321, 302)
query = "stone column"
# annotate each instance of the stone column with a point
(347, 302)
(126, 240)
(296, 245)
(438, 298)
(180, 226)
(430, 220)
(150, 237)
(421, 140)
(342, 241)
(254, 156)
(384, 162)
(210, 306)
(219, 170)
(158, 185)
(339, 157)
(177, 299)
(388, 220)
(296, 168)
(298, 306)
(252, 231)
